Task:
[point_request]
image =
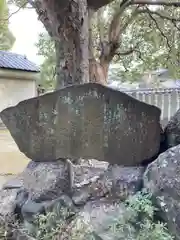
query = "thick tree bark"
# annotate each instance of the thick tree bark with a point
(81, 66)
(72, 47)
(97, 72)
(62, 78)
(67, 23)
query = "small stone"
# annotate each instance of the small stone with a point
(13, 184)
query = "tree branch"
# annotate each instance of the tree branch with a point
(162, 33)
(109, 47)
(162, 15)
(42, 15)
(169, 18)
(10, 15)
(115, 26)
(134, 49)
(130, 20)
(116, 29)
(100, 26)
(130, 51)
(155, 3)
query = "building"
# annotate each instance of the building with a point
(18, 77)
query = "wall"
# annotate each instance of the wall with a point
(14, 91)
(16, 86)
(168, 100)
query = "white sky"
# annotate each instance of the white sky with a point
(26, 27)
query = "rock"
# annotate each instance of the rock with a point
(163, 142)
(31, 209)
(126, 180)
(13, 183)
(83, 174)
(43, 181)
(99, 215)
(62, 207)
(116, 183)
(92, 222)
(8, 202)
(18, 234)
(172, 130)
(105, 220)
(38, 188)
(162, 179)
(85, 121)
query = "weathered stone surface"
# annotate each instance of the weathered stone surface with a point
(43, 181)
(18, 234)
(83, 174)
(99, 215)
(107, 220)
(163, 144)
(172, 131)
(93, 221)
(31, 209)
(162, 179)
(8, 202)
(116, 183)
(88, 121)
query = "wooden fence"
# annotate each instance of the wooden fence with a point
(168, 100)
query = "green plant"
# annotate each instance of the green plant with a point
(61, 223)
(137, 223)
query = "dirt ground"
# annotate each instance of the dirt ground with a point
(12, 161)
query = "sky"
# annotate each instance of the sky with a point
(26, 27)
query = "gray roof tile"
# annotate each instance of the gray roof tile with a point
(16, 61)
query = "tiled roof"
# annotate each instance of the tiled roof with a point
(15, 61)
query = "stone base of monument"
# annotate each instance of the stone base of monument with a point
(87, 121)
(27, 194)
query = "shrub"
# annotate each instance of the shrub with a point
(137, 223)
(59, 224)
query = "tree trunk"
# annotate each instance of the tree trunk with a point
(97, 72)
(67, 23)
(72, 53)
